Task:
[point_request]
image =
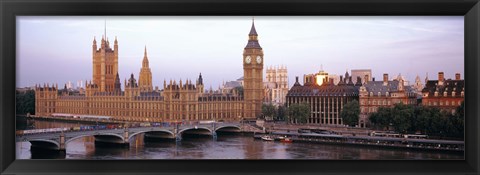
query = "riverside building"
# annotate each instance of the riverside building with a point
(386, 93)
(326, 101)
(177, 101)
(446, 94)
(276, 85)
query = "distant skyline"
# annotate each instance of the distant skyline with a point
(54, 49)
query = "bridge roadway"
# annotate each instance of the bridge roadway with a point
(59, 140)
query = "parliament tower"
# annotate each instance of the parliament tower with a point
(253, 75)
(145, 78)
(105, 65)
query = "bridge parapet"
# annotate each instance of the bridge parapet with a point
(60, 140)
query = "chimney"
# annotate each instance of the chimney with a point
(373, 78)
(385, 78)
(366, 79)
(296, 79)
(440, 76)
(457, 76)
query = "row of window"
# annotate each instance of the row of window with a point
(442, 103)
(323, 110)
(445, 94)
(143, 114)
(368, 109)
(154, 106)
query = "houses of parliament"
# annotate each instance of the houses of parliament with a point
(177, 101)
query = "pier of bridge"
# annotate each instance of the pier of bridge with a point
(122, 137)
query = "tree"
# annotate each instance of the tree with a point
(455, 124)
(461, 110)
(402, 117)
(298, 113)
(25, 102)
(422, 119)
(350, 113)
(428, 120)
(382, 118)
(281, 113)
(269, 111)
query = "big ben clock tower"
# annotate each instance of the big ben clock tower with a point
(253, 75)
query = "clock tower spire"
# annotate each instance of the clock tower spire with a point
(253, 75)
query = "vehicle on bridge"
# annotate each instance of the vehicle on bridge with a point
(77, 116)
(68, 129)
(206, 121)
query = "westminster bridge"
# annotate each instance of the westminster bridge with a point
(59, 140)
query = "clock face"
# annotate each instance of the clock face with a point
(259, 59)
(248, 59)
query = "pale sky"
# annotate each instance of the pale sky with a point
(54, 49)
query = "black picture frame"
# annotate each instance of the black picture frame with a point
(9, 9)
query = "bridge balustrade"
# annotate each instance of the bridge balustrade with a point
(119, 136)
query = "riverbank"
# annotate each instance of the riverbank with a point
(370, 141)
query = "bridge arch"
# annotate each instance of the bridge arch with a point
(155, 130)
(77, 137)
(96, 134)
(45, 143)
(228, 127)
(181, 132)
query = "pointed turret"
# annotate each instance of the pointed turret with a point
(253, 32)
(145, 76)
(94, 46)
(253, 38)
(200, 79)
(181, 84)
(117, 85)
(145, 58)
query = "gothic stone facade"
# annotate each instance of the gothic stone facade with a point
(138, 102)
(276, 85)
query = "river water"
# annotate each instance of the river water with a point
(227, 146)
